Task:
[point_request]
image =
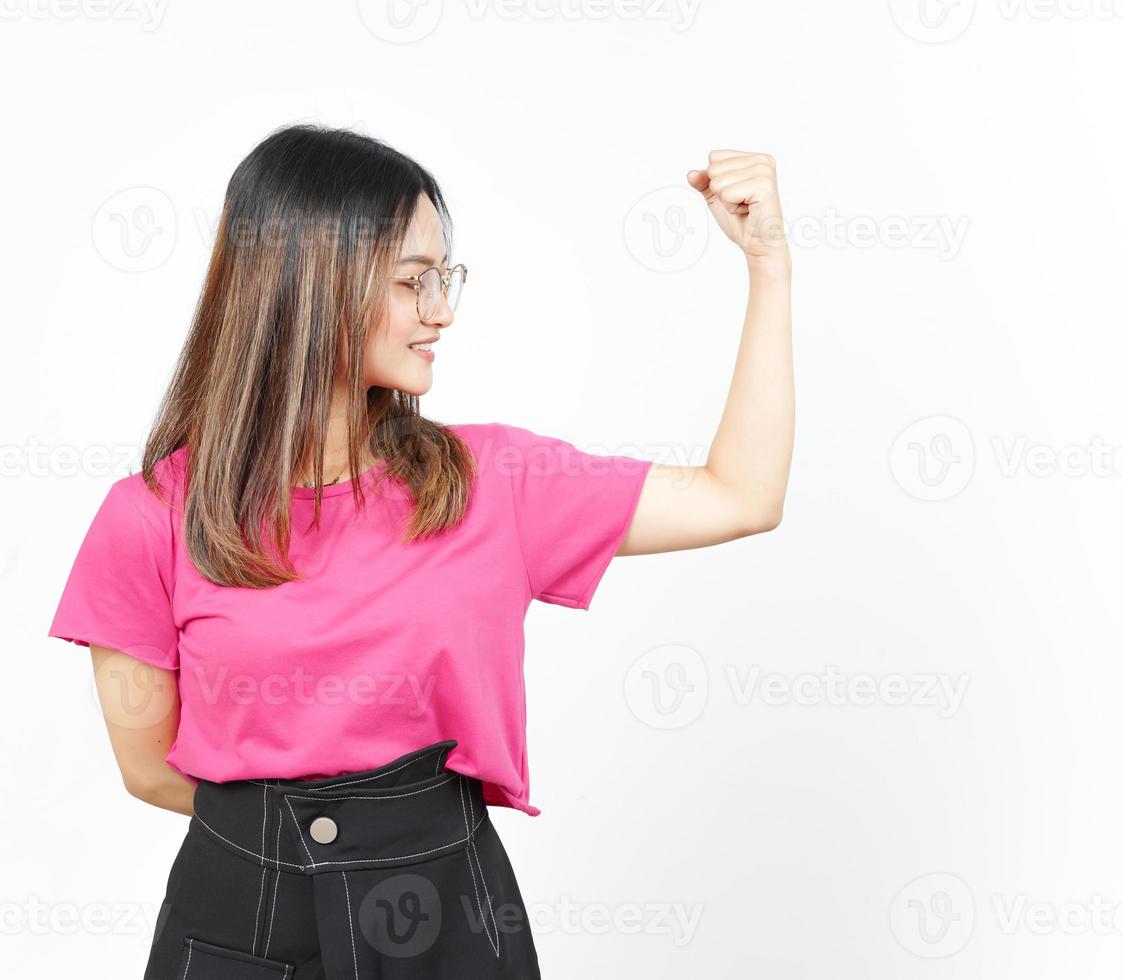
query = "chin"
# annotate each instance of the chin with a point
(415, 386)
(415, 382)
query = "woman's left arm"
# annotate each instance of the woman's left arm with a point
(740, 490)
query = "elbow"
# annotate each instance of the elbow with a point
(764, 519)
(164, 789)
(144, 787)
(139, 789)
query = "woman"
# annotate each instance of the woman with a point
(306, 612)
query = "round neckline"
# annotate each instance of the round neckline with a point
(366, 478)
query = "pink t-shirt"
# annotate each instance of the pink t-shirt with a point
(382, 647)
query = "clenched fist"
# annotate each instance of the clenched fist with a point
(741, 192)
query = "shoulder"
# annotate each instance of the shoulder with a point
(496, 435)
(507, 450)
(131, 496)
(476, 432)
(531, 460)
(485, 439)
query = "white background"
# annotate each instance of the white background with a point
(949, 175)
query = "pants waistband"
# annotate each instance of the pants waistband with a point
(409, 810)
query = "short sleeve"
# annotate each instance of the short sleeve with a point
(118, 593)
(572, 510)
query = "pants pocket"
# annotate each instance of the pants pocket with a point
(208, 961)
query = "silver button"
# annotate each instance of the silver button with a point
(323, 830)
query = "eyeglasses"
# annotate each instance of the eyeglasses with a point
(430, 284)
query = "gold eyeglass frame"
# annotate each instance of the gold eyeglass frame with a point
(446, 279)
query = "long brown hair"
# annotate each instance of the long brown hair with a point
(313, 220)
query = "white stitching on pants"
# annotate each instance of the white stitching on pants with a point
(286, 967)
(296, 824)
(350, 923)
(257, 915)
(472, 872)
(398, 857)
(483, 879)
(321, 864)
(404, 765)
(276, 883)
(376, 799)
(196, 816)
(264, 816)
(261, 890)
(363, 779)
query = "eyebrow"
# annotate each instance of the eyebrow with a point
(427, 259)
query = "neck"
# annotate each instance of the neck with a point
(335, 469)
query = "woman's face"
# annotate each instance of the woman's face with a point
(389, 362)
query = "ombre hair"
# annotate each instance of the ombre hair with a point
(314, 219)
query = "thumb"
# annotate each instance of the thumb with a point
(698, 179)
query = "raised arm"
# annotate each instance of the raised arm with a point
(740, 490)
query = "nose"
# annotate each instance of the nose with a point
(443, 315)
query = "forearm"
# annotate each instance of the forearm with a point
(750, 455)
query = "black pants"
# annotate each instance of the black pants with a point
(385, 874)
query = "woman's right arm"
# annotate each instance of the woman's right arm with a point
(140, 704)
